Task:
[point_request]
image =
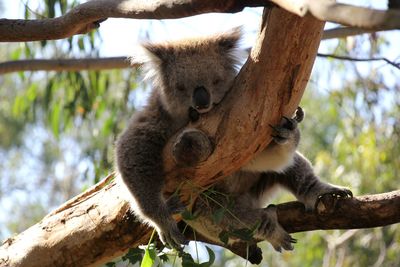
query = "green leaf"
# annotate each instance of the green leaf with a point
(31, 93)
(16, 54)
(149, 257)
(55, 119)
(81, 44)
(134, 255)
(163, 257)
(211, 258)
(218, 215)
(110, 264)
(19, 105)
(224, 237)
(188, 215)
(244, 234)
(187, 260)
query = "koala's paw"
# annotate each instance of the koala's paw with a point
(191, 147)
(255, 254)
(299, 115)
(170, 235)
(271, 230)
(326, 202)
(175, 205)
(285, 131)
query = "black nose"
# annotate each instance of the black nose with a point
(201, 98)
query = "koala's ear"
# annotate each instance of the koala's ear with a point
(229, 40)
(158, 52)
(151, 54)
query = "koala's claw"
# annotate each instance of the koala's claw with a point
(299, 114)
(174, 205)
(173, 238)
(170, 235)
(326, 202)
(271, 230)
(284, 131)
(255, 254)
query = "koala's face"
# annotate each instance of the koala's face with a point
(194, 74)
(198, 80)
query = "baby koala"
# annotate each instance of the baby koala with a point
(242, 197)
(188, 78)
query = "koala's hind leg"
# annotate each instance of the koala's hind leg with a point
(235, 215)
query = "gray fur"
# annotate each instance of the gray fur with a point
(175, 69)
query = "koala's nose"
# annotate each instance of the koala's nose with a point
(201, 98)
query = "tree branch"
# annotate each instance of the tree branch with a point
(394, 64)
(97, 226)
(75, 64)
(87, 16)
(70, 64)
(354, 213)
(361, 17)
(342, 32)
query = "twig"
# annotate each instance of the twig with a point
(394, 64)
(342, 32)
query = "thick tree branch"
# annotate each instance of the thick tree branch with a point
(96, 226)
(361, 17)
(353, 213)
(86, 17)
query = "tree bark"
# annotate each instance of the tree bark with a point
(97, 226)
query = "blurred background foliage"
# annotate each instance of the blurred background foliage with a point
(57, 132)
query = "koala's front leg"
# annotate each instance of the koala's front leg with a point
(278, 155)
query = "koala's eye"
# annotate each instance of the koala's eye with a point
(180, 87)
(217, 81)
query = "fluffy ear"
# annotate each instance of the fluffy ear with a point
(151, 57)
(148, 53)
(160, 52)
(229, 40)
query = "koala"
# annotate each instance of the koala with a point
(242, 196)
(188, 78)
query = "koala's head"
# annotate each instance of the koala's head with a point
(192, 73)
